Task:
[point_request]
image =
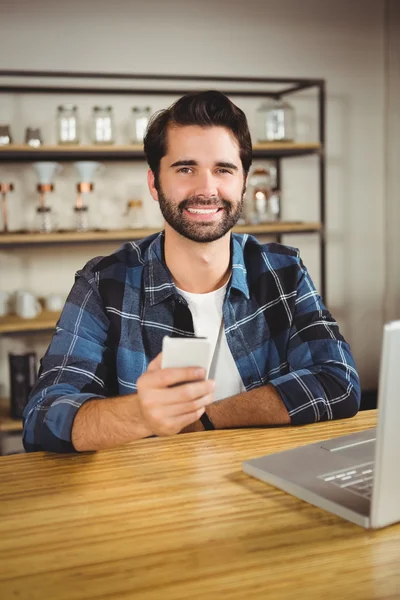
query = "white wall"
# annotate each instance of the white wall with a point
(340, 41)
(393, 160)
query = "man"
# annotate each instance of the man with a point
(279, 355)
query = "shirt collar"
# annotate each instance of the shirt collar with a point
(158, 281)
(239, 271)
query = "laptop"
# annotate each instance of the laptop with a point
(354, 476)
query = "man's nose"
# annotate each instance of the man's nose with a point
(206, 185)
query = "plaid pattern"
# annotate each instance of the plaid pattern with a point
(121, 306)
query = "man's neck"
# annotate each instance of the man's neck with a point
(197, 267)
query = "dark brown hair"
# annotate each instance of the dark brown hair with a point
(206, 109)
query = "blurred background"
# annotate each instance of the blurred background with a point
(343, 186)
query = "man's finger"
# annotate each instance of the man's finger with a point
(187, 408)
(176, 424)
(155, 364)
(164, 378)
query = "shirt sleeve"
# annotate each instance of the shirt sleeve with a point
(322, 382)
(75, 368)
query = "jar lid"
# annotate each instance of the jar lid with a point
(80, 208)
(275, 104)
(134, 204)
(43, 209)
(260, 171)
(67, 107)
(97, 108)
(141, 108)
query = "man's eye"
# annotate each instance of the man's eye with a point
(224, 171)
(185, 170)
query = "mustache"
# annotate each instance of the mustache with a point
(200, 201)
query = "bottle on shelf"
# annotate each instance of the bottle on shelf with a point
(262, 200)
(81, 218)
(134, 214)
(44, 221)
(5, 187)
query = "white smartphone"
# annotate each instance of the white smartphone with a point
(186, 352)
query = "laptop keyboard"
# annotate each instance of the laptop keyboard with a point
(357, 479)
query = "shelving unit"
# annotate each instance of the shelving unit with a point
(23, 153)
(7, 424)
(12, 324)
(12, 240)
(38, 82)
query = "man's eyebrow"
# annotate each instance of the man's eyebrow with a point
(227, 165)
(194, 163)
(185, 163)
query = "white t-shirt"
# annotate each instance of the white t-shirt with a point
(206, 311)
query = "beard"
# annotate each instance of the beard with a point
(200, 231)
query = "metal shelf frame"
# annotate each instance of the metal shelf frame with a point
(83, 82)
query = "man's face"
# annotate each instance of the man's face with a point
(201, 183)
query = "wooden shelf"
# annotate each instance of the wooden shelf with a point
(24, 153)
(18, 239)
(7, 424)
(73, 237)
(45, 321)
(279, 227)
(282, 149)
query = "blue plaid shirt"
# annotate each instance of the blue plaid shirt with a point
(121, 306)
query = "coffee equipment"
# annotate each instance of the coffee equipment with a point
(4, 189)
(45, 172)
(5, 135)
(33, 137)
(86, 172)
(23, 375)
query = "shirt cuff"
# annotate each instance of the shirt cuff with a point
(303, 396)
(57, 424)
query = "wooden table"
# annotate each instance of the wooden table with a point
(176, 518)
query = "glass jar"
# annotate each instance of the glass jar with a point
(275, 121)
(81, 218)
(68, 124)
(139, 121)
(134, 214)
(44, 219)
(102, 125)
(263, 202)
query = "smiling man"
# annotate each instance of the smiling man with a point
(279, 356)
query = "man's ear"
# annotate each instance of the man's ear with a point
(150, 182)
(246, 181)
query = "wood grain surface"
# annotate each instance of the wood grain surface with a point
(122, 235)
(129, 148)
(177, 518)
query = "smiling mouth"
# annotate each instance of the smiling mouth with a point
(203, 211)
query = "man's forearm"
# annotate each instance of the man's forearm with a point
(108, 422)
(262, 406)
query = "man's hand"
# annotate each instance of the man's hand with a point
(166, 410)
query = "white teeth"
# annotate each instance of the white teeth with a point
(203, 211)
